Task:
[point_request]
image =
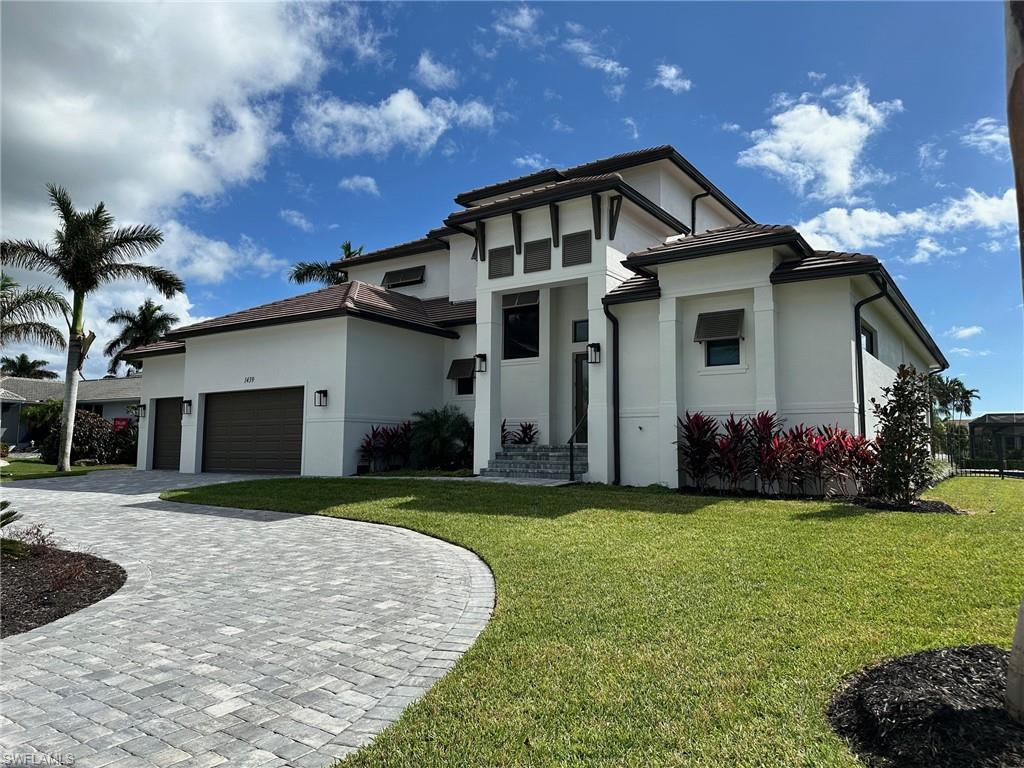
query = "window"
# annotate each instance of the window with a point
(461, 371)
(521, 325)
(867, 338)
(464, 386)
(580, 330)
(722, 352)
(397, 278)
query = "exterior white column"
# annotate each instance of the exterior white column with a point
(765, 396)
(546, 361)
(670, 350)
(487, 416)
(600, 457)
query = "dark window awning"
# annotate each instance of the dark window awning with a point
(397, 278)
(712, 326)
(461, 368)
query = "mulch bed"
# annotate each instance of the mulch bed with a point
(920, 505)
(46, 583)
(943, 708)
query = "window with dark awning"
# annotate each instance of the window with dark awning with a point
(712, 326)
(461, 368)
(397, 278)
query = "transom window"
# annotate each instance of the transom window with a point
(521, 325)
(580, 330)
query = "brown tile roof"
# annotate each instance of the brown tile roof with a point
(605, 165)
(162, 347)
(823, 264)
(721, 240)
(447, 313)
(356, 298)
(636, 288)
(410, 248)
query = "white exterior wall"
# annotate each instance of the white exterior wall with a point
(462, 272)
(435, 277)
(165, 377)
(462, 347)
(639, 371)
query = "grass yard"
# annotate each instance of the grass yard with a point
(645, 628)
(35, 469)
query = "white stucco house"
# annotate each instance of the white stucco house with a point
(606, 299)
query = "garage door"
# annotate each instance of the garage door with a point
(167, 440)
(256, 431)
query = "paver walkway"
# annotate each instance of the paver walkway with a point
(240, 638)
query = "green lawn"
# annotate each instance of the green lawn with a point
(35, 469)
(645, 628)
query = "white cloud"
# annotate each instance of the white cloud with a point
(731, 127)
(670, 77)
(925, 250)
(519, 25)
(631, 127)
(433, 74)
(366, 184)
(558, 126)
(993, 246)
(816, 142)
(615, 92)
(989, 136)
(533, 161)
(930, 157)
(858, 228)
(964, 331)
(587, 54)
(966, 352)
(816, 77)
(296, 219)
(197, 258)
(338, 128)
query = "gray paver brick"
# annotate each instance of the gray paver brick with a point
(240, 637)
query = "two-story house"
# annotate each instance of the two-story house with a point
(599, 302)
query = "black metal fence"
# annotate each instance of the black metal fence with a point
(957, 451)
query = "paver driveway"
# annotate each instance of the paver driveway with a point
(240, 638)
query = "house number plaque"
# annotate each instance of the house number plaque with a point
(249, 379)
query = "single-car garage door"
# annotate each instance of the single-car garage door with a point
(255, 431)
(167, 440)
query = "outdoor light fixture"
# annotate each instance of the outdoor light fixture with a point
(320, 398)
(593, 353)
(481, 363)
(186, 407)
(140, 411)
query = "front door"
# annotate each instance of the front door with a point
(580, 394)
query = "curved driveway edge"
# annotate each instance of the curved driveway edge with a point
(241, 638)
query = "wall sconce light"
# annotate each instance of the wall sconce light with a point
(320, 398)
(481, 363)
(140, 411)
(593, 353)
(186, 407)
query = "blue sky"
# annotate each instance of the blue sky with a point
(874, 127)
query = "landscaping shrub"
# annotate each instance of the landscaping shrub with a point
(42, 418)
(903, 438)
(442, 438)
(387, 447)
(8, 547)
(93, 439)
(5, 450)
(765, 431)
(733, 459)
(526, 434)
(506, 433)
(696, 446)
(125, 445)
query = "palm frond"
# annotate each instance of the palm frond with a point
(29, 255)
(35, 332)
(132, 242)
(61, 203)
(325, 272)
(162, 279)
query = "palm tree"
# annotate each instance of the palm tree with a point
(145, 325)
(26, 368)
(87, 253)
(21, 314)
(326, 272)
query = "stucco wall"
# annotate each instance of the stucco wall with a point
(462, 347)
(638, 392)
(435, 276)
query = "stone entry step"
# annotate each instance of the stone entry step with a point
(549, 462)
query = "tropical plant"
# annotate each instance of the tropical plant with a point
(9, 547)
(903, 437)
(734, 457)
(146, 325)
(26, 367)
(765, 429)
(506, 432)
(22, 313)
(442, 438)
(526, 434)
(696, 446)
(43, 416)
(87, 253)
(325, 272)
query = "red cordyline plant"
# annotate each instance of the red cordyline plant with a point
(696, 447)
(765, 429)
(733, 458)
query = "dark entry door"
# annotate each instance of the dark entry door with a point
(255, 431)
(167, 440)
(580, 394)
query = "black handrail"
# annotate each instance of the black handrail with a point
(572, 450)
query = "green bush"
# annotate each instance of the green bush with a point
(442, 438)
(904, 455)
(93, 439)
(5, 450)
(125, 446)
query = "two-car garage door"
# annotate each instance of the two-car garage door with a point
(255, 431)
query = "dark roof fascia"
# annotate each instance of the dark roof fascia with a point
(413, 248)
(129, 355)
(883, 279)
(610, 165)
(685, 253)
(543, 197)
(310, 316)
(628, 297)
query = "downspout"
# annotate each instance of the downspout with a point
(693, 211)
(861, 409)
(616, 463)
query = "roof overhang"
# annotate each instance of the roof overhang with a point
(153, 350)
(412, 248)
(639, 262)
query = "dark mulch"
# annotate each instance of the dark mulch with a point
(920, 505)
(868, 502)
(46, 583)
(943, 708)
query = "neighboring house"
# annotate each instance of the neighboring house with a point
(997, 436)
(112, 398)
(612, 296)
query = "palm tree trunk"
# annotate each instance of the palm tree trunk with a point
(75, 355)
